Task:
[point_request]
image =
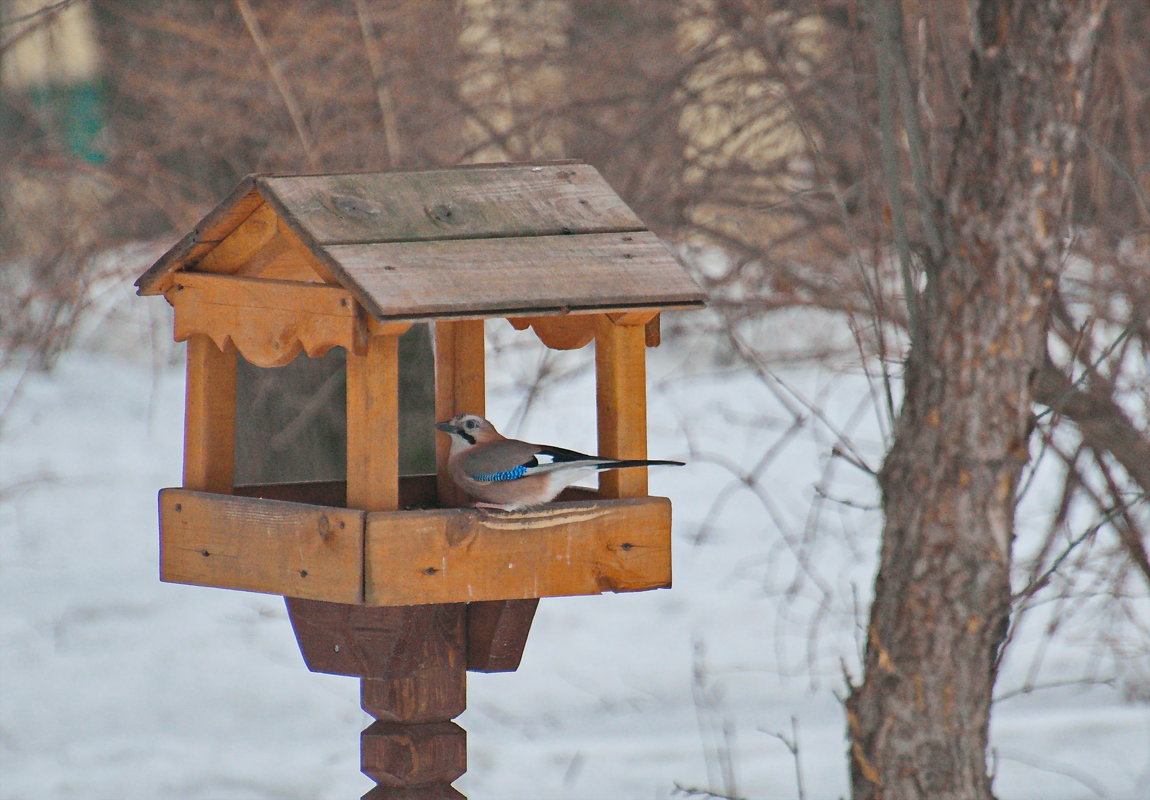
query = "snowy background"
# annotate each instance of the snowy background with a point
(114, 685)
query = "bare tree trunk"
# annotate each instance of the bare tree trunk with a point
(918, 724)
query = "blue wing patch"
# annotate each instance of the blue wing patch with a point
(506, 475)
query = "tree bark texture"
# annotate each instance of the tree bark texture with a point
(918, 723)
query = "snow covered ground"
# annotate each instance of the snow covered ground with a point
(116, 686)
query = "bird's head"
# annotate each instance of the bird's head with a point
(468, 430)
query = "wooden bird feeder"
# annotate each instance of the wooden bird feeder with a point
(386, 577)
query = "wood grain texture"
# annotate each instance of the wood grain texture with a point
(497, 634)
(373, 425)
(261, 545)
(414, 647)
(621, 402)
(460, 388)
(270, 322)
(653, 332)
(561, 331)
(251, 293)
(641, 317)
(248, 238)
(433, 791)
(318, 493)
(515, 277)
(413, 755)
(415, 491)
(493, 201)
(211, 230)
(264, 245)
(421, 694)
(457, 555)
(210, 416)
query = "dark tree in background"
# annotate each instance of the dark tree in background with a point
(993, 224)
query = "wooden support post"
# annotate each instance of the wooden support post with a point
(460, 388)
(497, 633)
(621, 400)
(373, 426)
(210, 416)
(496, 630)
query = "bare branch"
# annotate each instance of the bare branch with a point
(42, 15)
(289, 100)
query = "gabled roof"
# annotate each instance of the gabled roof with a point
(475, 241)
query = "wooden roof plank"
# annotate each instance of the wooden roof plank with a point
(466, 242)
(511, 200)
(496, 277)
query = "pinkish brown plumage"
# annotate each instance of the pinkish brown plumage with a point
(512, 475)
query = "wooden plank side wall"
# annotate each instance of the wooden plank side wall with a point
(445, 556)
(261, 545)
(413, 558)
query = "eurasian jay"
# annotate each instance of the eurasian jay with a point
(512, 475)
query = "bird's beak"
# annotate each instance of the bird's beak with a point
(446, 427)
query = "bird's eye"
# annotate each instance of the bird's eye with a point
(471, 424)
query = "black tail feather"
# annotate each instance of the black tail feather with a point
(640, 463)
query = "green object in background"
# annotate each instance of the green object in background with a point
(76, 113)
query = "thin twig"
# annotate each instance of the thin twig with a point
(281, 84)
(916, 146)
(1032, 588)
(1127, 528)
(1031, 688)
(888, 22)
(383, 98)
(46, 11)
(792, 744)
(694, 791)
